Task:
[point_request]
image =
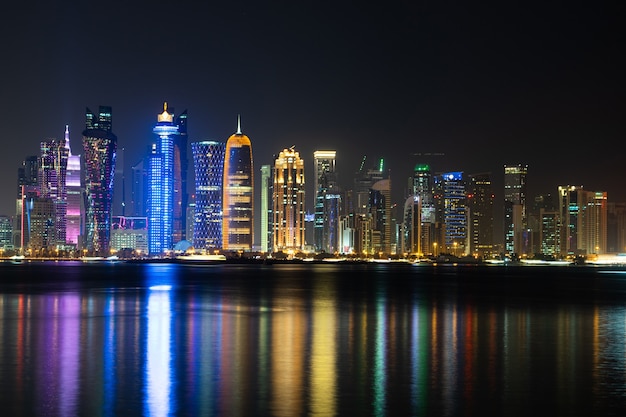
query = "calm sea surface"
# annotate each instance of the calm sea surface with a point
(127, 339)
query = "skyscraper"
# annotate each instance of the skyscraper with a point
(27, 190)
(327, 202)
(288, 225)
(208, 163)
(515, 220)
(161, 184)
(449, 190)
(181, 166)
(72, 183)
(52, 185)
(480, 199)
(238, 201)
(100, 146)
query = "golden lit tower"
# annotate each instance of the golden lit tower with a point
(288, 201)
(238, 207)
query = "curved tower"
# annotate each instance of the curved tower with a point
(100, 147)
(238, 207)
(208, 163)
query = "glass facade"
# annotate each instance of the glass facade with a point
(72, 183)
(52, 185)
(161, 185)
(100, 147)
(238, 201)
(208, 162)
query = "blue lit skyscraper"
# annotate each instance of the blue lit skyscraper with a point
(208, 162)
(161, 184)
(100, 147)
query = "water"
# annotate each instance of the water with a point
(291, 340)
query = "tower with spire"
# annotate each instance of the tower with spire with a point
(238, 192)
(72, 183)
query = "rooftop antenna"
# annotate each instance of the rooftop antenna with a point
(238, 125)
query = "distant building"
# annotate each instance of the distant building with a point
(27, 189)
(480, 200)
(6, 233)
(515, 216)
(100, 147)
(238, 200)
(208, 162)
(584, 221)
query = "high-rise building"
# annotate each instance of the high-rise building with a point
(27, 190)
(138, 189)
(584, 220)
(288, 223)
(266, 207)
(480, 200)
(74, 191)
(516, 235)
(181, 167)
(327, 202)
(451, 201)
(422, 187)
(616, 220)
(208, 162)
(161, 185)
(100, 147)
(238, 201)
(52, 185)
(6, 233)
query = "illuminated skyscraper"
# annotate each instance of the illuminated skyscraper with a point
(238, 201)
(449, 193)
(161, 184)
(100, 147)
(208, 163)
(72, 183)
(423, 189)
(327, 202)
(288, 225)
(515, 234)
(52, 185)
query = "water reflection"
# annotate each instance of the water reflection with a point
(212, 342)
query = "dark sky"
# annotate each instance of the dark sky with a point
(485, 83)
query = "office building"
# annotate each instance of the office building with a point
(100, 147)
(238, 200)
(480, 200)
(52, 185)
(516, 235)
(74, 195)
(161, 188)
(288, 198)
(327, 202)
(208, 162)
(451, 202)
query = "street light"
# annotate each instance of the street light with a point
(454, 245)
(435, 248)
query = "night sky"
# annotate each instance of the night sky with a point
(484, 83)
